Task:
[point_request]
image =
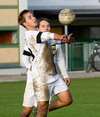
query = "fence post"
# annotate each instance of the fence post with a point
(66, 47)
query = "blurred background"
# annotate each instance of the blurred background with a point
(12, 36)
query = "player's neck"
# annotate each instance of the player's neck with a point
(33, 29)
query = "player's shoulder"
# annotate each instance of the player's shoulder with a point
(32, 32)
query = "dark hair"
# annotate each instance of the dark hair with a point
(41, 19)
(21, 18)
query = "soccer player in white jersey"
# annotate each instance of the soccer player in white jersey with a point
(43, 70)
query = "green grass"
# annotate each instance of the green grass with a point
(85, 93)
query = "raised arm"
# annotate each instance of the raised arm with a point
(39, 37)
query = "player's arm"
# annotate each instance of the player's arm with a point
(26, 58)
(61, 64)
(39, 37)
(26, 62)
(63, 38)
(51, 36)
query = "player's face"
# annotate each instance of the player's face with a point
(44, 26)
(30, 21)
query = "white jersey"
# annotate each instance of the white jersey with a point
(41, 56)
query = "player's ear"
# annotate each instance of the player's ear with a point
(38, 29)
(24, 24)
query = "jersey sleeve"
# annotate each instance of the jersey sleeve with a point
(26, 58)
(26, 61)
(47, 36)
(38, 37)
(61, 62)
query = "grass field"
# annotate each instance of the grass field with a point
(85, 93)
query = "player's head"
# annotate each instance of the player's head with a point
(44, 25)
(27, 19)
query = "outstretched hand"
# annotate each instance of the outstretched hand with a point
(69, 39)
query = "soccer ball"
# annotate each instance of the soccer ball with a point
(66, 16)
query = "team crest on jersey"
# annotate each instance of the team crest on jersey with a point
(53, 49)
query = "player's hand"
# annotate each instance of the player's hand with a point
(67, 80)
(69, 39)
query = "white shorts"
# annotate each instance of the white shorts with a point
(54, 88)
(57, 87)
(29, 98)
